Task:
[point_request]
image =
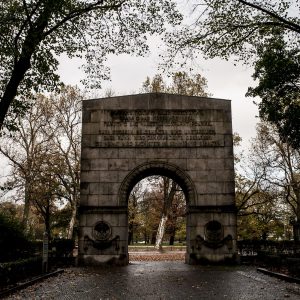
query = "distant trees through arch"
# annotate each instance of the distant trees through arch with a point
(157, 212)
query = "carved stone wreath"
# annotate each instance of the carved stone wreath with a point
(213, 232)
(102, 231)
(213, 238)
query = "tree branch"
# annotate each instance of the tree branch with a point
(75, 14)
(291, 25)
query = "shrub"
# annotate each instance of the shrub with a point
(14, 244)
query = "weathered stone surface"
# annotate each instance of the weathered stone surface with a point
(130, 137)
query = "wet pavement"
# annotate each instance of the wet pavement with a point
(161, 280)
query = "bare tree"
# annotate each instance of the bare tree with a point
(25, 148)
(47, 146)
(65, 129)
(280, 165)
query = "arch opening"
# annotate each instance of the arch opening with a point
(174, 175)
(157, 220)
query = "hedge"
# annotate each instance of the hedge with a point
(11, 272)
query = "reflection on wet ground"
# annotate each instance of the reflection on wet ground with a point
(161, 280)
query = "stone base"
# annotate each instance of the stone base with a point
(204, 259)
(102, 260)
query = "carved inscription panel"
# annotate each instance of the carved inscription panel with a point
(157, 128)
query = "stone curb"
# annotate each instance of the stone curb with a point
(28, 283)
(279, 275)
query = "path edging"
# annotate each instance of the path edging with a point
(28, 283)
(279, 275)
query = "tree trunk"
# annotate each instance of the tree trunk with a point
(160, 232)
(26, 209)
(47, 220)
(72, 221)
(297, 194)
(172, 236)
(145, 238)
(130, 234)
(296, 226)
(10, 91)
(153, 238)
(296, 232)
(168, 199)
(130, 238)
(31, 42)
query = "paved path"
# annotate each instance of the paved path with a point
(161, 280)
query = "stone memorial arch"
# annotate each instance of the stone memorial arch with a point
(127, 138)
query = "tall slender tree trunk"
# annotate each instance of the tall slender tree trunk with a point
(72, 221)
(161, 232)
(168, 197)
(26, 210)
